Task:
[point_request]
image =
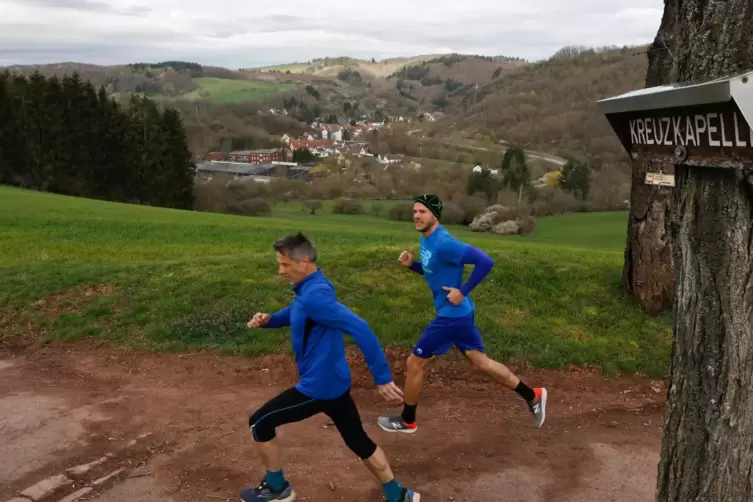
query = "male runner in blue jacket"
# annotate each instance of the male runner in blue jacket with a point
(442, 260)
(317, 322)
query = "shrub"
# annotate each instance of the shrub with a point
(240, 190)
(401, 212)
(526, 225)
(554, 201)
(488, 218)
(210, 196)
(505, 228)
(250, 207)
(224, 195)
(376, 209)
(452, 214)
(347, 206)
(313, 205)
(472, 207)
(493, 216)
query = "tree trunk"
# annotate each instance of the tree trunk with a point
(648, 273)
(707, 444)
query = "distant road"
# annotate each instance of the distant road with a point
(549, 158)
(552, 159)
(543, 156)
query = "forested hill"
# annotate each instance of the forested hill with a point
(63, 135)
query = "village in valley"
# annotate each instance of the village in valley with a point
(328, 148)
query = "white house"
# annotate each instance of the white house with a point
(337, 135)
(478, 169)
(325, 134)
(385, 160)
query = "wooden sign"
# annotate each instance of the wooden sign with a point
(714, 135)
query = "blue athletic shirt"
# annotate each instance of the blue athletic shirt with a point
(443, 258)
(317, 322)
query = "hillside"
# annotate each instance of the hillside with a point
(213, 102)
(551, 106)
(331, 66)
(346, 88)
(170, 79)
(442, 82)
(184, 279)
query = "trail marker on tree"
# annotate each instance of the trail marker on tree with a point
(705, 125)
(697, 142)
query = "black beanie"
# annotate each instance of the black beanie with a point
(432, 202)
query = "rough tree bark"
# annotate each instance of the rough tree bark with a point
(648, 273)
(707, 445)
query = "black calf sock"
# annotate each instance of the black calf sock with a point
(409, 413)
(525, 391)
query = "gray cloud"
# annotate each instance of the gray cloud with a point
(235, 33)
(88, 5)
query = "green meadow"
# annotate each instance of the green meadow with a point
(223, 90)
(181, 280)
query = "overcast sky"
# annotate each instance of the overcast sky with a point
(244, 33)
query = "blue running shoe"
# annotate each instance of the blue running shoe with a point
(263, 493)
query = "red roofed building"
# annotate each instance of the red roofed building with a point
(256, 156)
(300, 144)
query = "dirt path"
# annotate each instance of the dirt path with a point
(177, 427)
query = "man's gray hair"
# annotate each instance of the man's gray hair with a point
(295, 247)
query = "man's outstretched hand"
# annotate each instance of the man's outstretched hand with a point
(258, 320)
(406, 258)
(390, 392)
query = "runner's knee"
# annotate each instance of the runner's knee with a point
(262, 430)
(359, 442)
(478, 360)
(416, 364)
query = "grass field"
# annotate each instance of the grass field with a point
(591, 230)
(184, 280)
(222, 90)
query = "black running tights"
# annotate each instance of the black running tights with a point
(292, 406)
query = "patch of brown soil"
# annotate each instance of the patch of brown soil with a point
(24, 324)
(475, 440)
(71, 301)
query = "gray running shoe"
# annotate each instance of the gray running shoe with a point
(397, 424)
(538, 406)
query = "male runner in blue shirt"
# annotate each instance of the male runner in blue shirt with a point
(317, 322)
(442, 260)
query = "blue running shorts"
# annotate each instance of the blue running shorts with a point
(443, 332)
